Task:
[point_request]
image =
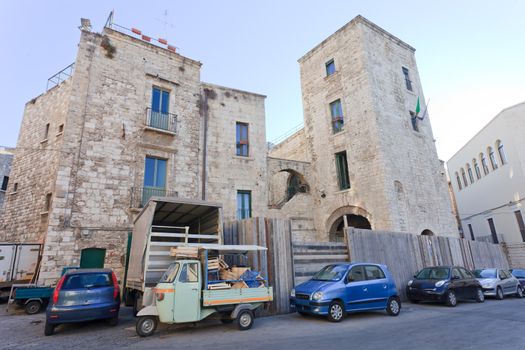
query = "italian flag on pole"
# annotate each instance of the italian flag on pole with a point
(418, 107)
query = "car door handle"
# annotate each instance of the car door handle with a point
(365, 289)
(384, 286)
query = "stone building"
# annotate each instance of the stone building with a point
(369, 157)
(132, 120)
(488, 179)
(6, 158)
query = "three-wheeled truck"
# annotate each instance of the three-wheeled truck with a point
(186, 292)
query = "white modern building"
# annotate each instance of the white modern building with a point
(488, 179)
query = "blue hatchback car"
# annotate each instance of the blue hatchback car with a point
(339, 289)
(83, 295)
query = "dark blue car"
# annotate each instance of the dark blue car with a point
(83, 295)
(339, 289)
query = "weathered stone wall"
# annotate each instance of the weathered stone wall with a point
(294, 147)
(6, 158)
(226, 172)
(35, 165)
(396, 179)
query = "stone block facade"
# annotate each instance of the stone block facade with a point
(6, 158)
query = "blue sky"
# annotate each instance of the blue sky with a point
(470, 54)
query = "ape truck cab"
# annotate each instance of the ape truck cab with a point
(192, 290)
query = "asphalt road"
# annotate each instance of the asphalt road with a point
(491, 325)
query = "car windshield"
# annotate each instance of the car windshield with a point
(87, 280)
(485, 273)
(433, 273)
(330, 273)
(170, 274)
(518, 273)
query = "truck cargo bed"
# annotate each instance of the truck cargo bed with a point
(236, 296)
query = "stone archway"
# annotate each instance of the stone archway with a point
(427, 232)
(348, 216)
(284, 185)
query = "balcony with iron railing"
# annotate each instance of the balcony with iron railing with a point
(141, 195)
(161, 122)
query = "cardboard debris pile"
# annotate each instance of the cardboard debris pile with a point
(220, 275)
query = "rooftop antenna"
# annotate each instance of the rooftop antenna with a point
(165, 22)
(109, 21)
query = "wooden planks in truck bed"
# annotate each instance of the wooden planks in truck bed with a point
(236, 296)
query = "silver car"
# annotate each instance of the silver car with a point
(498, 283)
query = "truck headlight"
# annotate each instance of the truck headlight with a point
(440, 283)
(317, 296)
(410, 283)
(292, 293)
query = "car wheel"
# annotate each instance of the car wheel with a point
(393, 306)
(499, 294)
(336, 311)
(33, 307)
(519, 292)
(49, 329)
(113, 321)
(480, 297)
(146, 325)
(451, 299)
(245, 320)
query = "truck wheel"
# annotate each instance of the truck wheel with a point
(33, 307)
(49, 329)
(245, 320)
(393, 307)
(146, 325)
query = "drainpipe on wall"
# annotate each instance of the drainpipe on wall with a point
(204, 114)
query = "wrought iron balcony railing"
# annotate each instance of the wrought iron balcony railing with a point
(141, 195)
(161, 121)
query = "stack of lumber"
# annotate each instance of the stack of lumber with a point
(233, 273)
(213, 264)
(185, 252)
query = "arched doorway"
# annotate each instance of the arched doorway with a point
(427, 232)
(284, 185)
(92, 258)
(337, 229)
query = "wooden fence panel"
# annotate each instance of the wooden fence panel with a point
(405, 254)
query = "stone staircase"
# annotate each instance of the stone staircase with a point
(308, 258)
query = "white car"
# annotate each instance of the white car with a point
(498, 283)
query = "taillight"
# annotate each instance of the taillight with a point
(116, 287)
(57, 289)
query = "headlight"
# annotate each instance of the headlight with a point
(488, 285)
(440, 283)
(317, 296)
(292, 293)
(410, 283)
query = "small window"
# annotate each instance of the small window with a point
(476, 169)
(464, 177)
(189, 273)
(242, 143)
(470, 174)
(493, 232)
(484, 163)
(336, 112)
(492, 158)
(501, 152)
(356, 274)
(414, 121)
(61, 128)
(5, 181)
(521, 224)
(408, 82)
(341, 164)
(471, 232)
(47, 204)
(15, 187)
(330, 67)
(244, 204)
(458, 181)
(374, 273)
(46, 131)
(160, 101)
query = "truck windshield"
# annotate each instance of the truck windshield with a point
(169, 276)
(330, 273)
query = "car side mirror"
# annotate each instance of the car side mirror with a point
(455, 278)
(348, 280)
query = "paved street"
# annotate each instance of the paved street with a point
(492, 325)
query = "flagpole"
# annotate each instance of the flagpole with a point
(426, 109)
